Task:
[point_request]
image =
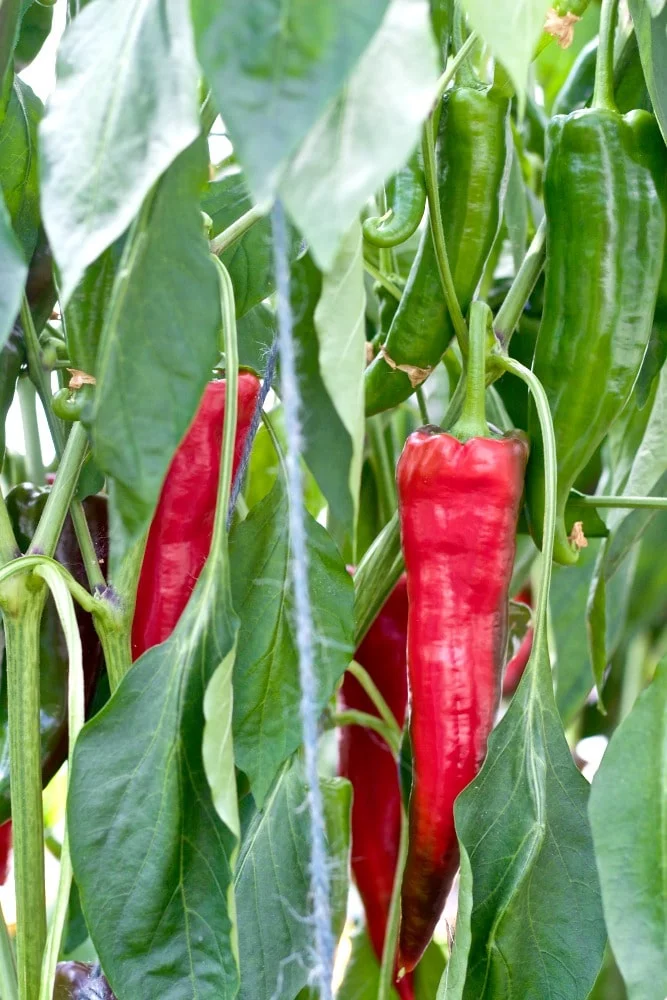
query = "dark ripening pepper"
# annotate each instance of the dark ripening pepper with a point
(605, 244)
(406, 198)
(459, 506)
(80, 981)
(473, 162)
(5, 849)
(519, 661)
(366, 760)
(180, 535)
(25, 504)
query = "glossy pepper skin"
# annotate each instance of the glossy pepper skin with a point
(368, 763)
(81, 981)
(180, 535)
(406, 197)
(459, 506)
(473, 163)
(25, 504)
(518, 663)
(605, 244)
(5, 849)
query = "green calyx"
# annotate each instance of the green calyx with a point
(472, 422)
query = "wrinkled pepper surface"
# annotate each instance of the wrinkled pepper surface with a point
(366, 760)
(180, 535)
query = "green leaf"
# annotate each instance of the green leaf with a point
(651, 34)
(152, 857)
(36, 24)
(87, 309)
(13, 272)
(511, 28)
(265, 468)
(628, 812)
(328, 448)
(273, 884)
(274, 66)
(267, 721)
(341, 330)
(362, 972)
(368, 133)
(124, 107)
(218, 745)
(535, 926)
(160, 342)
(256, 332)
(18, 163)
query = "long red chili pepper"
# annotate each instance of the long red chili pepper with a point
(180, 535)
(367, 761)
(459, 505)
(518, 663)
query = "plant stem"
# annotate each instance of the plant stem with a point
(509, 314)
(208, 113)
(219, 542)
(375, 695)
(352, 717)
(33, 448)
(421, 402)
(455, 404)
(22, 622)
(383, 280)
(394, 915)
(651, 503)
(115, 640)
(8, 981)
(467, 77)
(454, 64)
(51, 522)
(376, 576)
(238, 228)
(438, 236)
(603, 93)
(384, 475)
(472, 422)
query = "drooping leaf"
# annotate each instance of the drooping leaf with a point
(18, 163)
(341, 331)
(628, 811)
(152, 857)
(274, 66)
(267, 721)
(650, 23)
(534, 924)
(368, 133)
(124, 107)
(511, 28)
(328, 448)
(273, 884)
(160, 342)
(13, 272)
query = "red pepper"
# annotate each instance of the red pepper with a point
(180, 535)
(367, 761)
(5, 849)
(459, 504)
(518, 663)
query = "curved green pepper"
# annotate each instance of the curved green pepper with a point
(406, 197)
(25, 504)
(474, 158)
(605, 243)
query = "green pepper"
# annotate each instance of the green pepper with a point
(603, 195)
(577, 90)
(406, 197)
(68, 404)
(631, 91)
(25, 504)
(474, 159)
(576, 7)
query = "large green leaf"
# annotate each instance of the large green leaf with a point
(267, 722)
(628, 810)
(328, 448)
(87, 310)
(368, 133)
(341, 330)
(652, 36)
(273, 884)
(13, 272)
(153, 859)
(530, 915)
(274, 66)
(18, 163)
(160, 342)
(511, 28)
(124, 107)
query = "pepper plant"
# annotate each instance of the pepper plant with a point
(335, 633)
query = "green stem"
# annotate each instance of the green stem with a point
(379, 703)
(33, 447)
(466, 75)
(114, 636)
(8, 548)
(438, 236)
(8, 982)
(421, 402)
(384, 474)
(394, 915)
(352, 717)
(454, 65)
(384, 253)
(383, 280)
(455, 404)
(219, 542)
(472, 422)
(603, 93)
(232, 233)
(51, 522)
(509, 314)
(22, 625)
(208, 113)
(376, 576)
(651, 503)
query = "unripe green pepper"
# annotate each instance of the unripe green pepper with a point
(603, 191)
(473, 167)
(406, 196)
(68, 404)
